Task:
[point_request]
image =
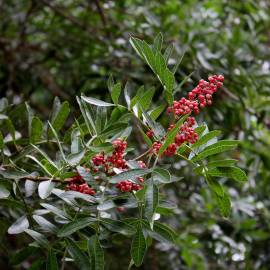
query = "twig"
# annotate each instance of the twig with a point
(143, 154)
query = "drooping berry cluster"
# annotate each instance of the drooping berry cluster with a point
(78, 184)
(200, 96)
(116, 160)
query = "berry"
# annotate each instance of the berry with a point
(150, 134)
(141, 164)
(156, 146)
(98, 159)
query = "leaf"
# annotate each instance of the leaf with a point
(19, 226)
(104, 206)
(168, 52)
(205, 138)
(116, 90)
(171, 135)
(75, 159)
(146, 138)
(199, 130)
(45, 188)
(110, 82)
(158, 42)
(86, 175)
(4, 192)
(214, 164)
(96, 102)
(16, 175)
(215, 186)
(161, 232)
(51, 263)
(30, 187)
(212, 151)
(224, 204)
(55, 210)
(86, 116)
(178, 63)
(74, 226)
(117, 226)
(156, 127)
(161, 175)
(38, 237)
(230, 172)
(129, 175)
(221, 163)
(156, 62)
(96, 253)
(151, 202)
(44, 224)
(59, 117)
(154, 114)
(58, 141)
(79, 257)
(45, 156)
(138, 246)
(36, 130)
(146, 99)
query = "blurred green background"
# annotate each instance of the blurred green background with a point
(63, 48)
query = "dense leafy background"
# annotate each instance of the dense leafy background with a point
(63, 48)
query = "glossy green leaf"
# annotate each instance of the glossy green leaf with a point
(131, 175)
(151, 202)
(212, 151)
(138, 246)
(230, 172)
(51, 263)
(36, 130)
(75, 226)
(157, 46)
(60, 117)
(205, 138)
(82, 261)
(161, 175)
(96, 253)
(224, 204)
(115, 93)
(97, 102)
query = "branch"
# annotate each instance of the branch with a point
(45, 178)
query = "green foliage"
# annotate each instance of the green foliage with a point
(39, 62)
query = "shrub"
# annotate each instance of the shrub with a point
(106, 175)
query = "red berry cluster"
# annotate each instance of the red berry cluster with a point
(128, 186)
(98, 159)
(187, 132)
(78, 184)
(83, 188)
(116, 160)
(200, 96)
